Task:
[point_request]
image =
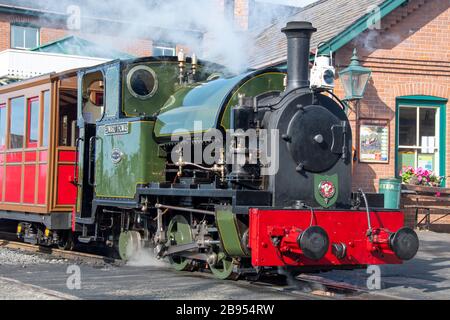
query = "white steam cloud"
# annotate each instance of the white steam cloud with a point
(206, 27)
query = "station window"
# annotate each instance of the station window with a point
(2, 126)
(421, 127)
(17, 126)
(164, 50)
(33, 122)
(24, 37)
(46, 120)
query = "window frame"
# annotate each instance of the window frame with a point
(420, 102)
(10, 112)
(3, 147)
(28, 144)
(164, 47)
(25, 26)
(44, 125)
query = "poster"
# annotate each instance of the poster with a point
(426, 161)
(374, 141)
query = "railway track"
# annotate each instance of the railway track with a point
(9, 241)
(304, 286)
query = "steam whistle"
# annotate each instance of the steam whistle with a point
(181, 65)
(194, 66)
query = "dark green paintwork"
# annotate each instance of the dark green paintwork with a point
(179, 232)
(229, 232)
(224, 267)
(210, 102)
(112, 91)
(271, 81)
(167, 73)
(320, 200)
(167, 77)
(202, 103)
(140, 163)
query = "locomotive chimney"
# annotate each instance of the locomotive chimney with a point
(298, 35)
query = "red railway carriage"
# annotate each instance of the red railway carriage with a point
(37, 150)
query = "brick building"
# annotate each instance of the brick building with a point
(26, 24)
(406, 44)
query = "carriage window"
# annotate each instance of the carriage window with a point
(2, 126)
(67, 118)
(17, 123)
(46, 120)
(33, 122)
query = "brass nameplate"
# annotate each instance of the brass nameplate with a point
(116, 129)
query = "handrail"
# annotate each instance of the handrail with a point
(75, 168)
(91, 159)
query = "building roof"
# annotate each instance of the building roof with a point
(75, 46)
(337, 23)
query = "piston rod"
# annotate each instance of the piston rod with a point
(163, 206)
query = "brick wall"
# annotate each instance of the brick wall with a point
(4, 34)
(241, 14)
(410, 55)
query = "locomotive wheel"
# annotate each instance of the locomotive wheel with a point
(130, 243)
(179, 232)
(223, 269)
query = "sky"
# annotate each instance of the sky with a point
(295, 3)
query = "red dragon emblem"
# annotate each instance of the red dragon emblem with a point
(327, 190)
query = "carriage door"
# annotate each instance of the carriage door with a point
(91, 110)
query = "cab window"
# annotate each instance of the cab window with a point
(93, 91)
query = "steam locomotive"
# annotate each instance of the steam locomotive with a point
(235, 174)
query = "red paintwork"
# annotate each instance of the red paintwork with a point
(348, 227)
(2, 175)
(3, 147)
(43, 156)
(2, 158)
(29, 186)
(67, 192)
(12, 192)
(30, 156)
(14, 157)
(42, 190)
(67, 156)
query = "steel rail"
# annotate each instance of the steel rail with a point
(58, 253)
